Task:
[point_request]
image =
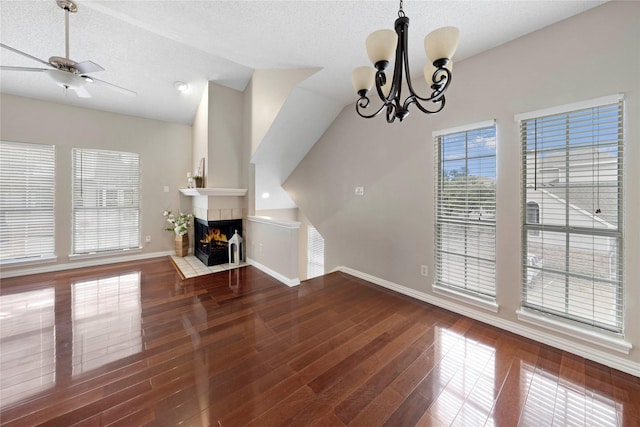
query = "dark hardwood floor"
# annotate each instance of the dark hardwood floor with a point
(133, 344)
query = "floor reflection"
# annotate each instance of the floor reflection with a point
(101, 319)
(465, 386)
(106, 320)
(467, 375)
(27, 338)
(555, 400)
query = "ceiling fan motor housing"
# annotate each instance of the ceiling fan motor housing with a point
(67, 5)
(63, 64)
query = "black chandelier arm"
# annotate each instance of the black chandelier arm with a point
(391, 113)
(438, 102)
(438, 86)
(381, 80)
(363, 103)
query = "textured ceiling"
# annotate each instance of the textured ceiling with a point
(147, 45)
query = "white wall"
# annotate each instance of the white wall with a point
(272, 246)
(270, 91)
(164, 148)
(225, 151)
(388, 233)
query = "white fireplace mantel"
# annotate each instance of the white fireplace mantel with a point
(238, 192)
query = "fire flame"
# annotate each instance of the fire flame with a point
(214, 235)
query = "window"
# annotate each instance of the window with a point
(572, 249)
(465, 209)
(533, 215)
(315, 253)
(106, 201)
(27, 181)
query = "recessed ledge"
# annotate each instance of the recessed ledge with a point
(293, 225)
(238, 192)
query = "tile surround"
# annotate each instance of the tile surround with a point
(190, 266)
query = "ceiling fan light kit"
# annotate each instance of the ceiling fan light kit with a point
(381, 45)
(64, 71)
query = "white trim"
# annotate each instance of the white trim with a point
(74, 257)
(26, 261)
(464, 128)
(90, 262)
(539, 319)
(274, 274)
(590, 103)
(542, 336)
(482, 303)
(292, 225)
(238, 192)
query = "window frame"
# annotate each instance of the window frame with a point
(529, 309)
(41, 179)
(480, 299)
(105, 197)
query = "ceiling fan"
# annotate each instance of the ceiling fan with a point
(66, 72)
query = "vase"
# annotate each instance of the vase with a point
(199, 182)
(182, 245)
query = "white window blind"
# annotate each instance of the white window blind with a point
(27, 196)
(106, 201)
(315, 253)
(572, 249)
(465, 210)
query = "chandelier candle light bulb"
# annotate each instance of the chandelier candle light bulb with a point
(439, 45)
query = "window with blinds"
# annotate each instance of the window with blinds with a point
(106, 201)
(465, 223)
(27, 196)
(572, 247)
(315, 253)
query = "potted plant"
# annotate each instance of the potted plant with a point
(180, 225)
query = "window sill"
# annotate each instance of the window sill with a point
(485, 304)
(24, 262)
(73, 257)
(583, 333)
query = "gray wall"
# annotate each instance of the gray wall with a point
(164, 148)
(388, 233)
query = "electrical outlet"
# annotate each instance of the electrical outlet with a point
(359, 191)
(147, 239)
(424, 270)
(166, 188)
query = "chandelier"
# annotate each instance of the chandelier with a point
(439, 46)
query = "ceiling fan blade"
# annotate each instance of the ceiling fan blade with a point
(10, 68)
(24, 54)
(81, 91)
(87, 67)
(114, 87)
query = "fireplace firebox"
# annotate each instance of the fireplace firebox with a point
(211, 240)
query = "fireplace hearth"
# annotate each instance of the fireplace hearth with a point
(211, 242)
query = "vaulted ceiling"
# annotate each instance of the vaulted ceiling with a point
(147, 46)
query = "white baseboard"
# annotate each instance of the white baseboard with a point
(274, 274)
(87, 262)
(562, 343)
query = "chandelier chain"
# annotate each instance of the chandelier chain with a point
(400, 11)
